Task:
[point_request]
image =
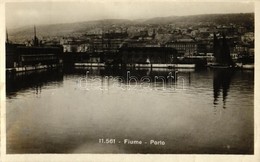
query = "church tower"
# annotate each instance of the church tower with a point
(35, 40)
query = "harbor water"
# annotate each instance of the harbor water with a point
(74, 111)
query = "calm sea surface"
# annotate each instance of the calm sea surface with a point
(191, 111)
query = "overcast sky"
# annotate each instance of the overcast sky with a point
(23, 14)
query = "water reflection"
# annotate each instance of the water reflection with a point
(65, 119)
(133, 79)
(221, 83)
(34, 80)
(139, 73)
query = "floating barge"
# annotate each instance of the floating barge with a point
(170, 66)
(90, 64)
(165, 65)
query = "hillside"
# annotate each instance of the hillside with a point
(78, 28)
(214, 18)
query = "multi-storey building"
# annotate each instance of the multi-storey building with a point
(185, 47)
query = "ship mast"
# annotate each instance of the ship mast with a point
(35, 40)
(34, 32)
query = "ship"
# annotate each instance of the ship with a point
(222, 55)
(21, 57)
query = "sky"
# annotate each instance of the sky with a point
(19, 14)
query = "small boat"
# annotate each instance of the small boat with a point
(220, 66)
(246, 62)
(248, 66)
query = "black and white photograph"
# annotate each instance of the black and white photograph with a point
(129, 77)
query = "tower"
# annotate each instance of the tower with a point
(153, 35)
(35, 40)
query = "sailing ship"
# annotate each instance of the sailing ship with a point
(35, 56)
(221, 53)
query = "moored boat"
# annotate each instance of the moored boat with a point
(222, 54)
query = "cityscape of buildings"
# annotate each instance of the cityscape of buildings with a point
(108, 42)
(189, 40)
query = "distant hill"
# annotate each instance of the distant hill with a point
(65, 29)
(82, 27)
(215, 18)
